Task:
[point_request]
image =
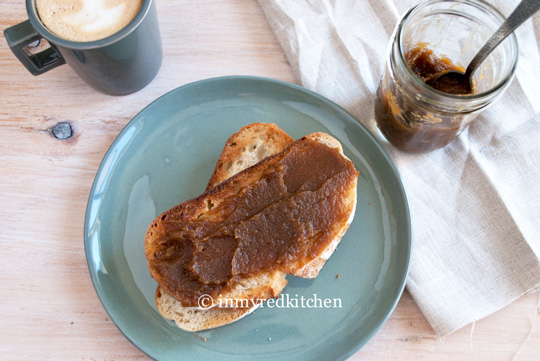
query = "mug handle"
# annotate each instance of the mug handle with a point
(20, 36)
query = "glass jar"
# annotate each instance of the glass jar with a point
(417, 118)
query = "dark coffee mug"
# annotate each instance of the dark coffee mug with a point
(120, 64)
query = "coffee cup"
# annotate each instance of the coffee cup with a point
(115, 47)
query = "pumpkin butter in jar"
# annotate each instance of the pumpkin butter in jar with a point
(432, 38)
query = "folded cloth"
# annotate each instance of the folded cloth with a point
(475, 204)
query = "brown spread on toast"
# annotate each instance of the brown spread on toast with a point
(279, 219)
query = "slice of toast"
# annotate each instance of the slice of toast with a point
(261, 286)
(251, 144)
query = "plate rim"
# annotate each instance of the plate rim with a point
(390, 162)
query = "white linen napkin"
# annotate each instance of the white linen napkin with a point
(476, 203)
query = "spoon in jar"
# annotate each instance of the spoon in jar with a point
(457, 82)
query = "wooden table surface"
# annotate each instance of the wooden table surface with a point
(49, 309)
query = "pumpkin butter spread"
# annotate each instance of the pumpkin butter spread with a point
(275, 216)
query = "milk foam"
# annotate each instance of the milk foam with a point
(86, 20)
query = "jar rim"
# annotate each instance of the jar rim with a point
(471, 97)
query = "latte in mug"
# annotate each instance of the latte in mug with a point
(86, 20)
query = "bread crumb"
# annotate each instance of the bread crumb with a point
(197, 335)
(203, 338)
(338, 275)
(369, 203)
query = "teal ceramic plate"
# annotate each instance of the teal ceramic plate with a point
(166, 155)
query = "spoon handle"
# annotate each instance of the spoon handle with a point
(522, 12)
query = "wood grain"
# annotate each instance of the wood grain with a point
(50, 310)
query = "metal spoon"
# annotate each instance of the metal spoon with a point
(457, 82)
